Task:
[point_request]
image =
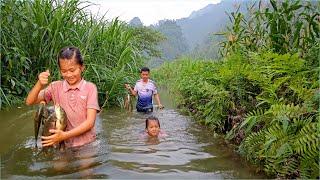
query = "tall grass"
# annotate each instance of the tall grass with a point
(33, 32)
(282, 26)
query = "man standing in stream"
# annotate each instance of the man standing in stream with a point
(145, 88)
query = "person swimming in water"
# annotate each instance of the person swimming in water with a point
(153, 128)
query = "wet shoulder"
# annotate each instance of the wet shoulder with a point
(162, 134)
(90, 85)
(152, 82)
(139, 82)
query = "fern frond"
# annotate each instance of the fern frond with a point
(289, 110)
(252, 118)
(251, 144)
(307, 141)
(309, 168)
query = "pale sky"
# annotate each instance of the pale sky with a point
(149, 11)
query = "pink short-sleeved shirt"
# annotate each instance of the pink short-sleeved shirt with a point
(75, 101)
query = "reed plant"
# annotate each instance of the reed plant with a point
(282, 26)
(33, 32)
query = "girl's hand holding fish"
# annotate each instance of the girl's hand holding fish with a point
(55, 138)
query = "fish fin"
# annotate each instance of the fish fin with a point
(62, 146)
(38, 121)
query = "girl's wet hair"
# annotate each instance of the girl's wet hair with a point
(70, 52)
(152, 118)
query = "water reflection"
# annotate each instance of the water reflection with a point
(152, 141)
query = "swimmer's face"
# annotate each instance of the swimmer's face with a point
(153, 128)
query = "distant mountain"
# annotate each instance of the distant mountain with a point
(135, 22)
(193, 35)
(174, 44)
(203, 23)
(202, 11)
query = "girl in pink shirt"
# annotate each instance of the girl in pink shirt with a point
(79, 99)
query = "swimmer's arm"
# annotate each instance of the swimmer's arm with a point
(132, 91)
(157, 97)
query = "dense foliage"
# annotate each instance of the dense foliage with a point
(264, 94)
(282, 26)
(33, 32)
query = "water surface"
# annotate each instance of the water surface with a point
(190, 151)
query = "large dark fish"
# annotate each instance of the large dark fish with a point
(40, 114)
(50, 118)
(61, 122)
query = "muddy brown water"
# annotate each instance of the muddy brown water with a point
(190, 151)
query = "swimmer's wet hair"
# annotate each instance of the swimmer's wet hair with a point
(152, 118)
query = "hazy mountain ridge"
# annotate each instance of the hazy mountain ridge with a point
(201, 12)
(197, 29)
(211, 19)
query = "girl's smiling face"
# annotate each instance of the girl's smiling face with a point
(71, 71)
(153, 128)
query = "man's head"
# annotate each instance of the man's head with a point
(145, 74)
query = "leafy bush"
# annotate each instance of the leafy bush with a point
(267, 103)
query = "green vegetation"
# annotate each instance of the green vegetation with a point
(283, 27)
(264, 94)
(33, 32)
